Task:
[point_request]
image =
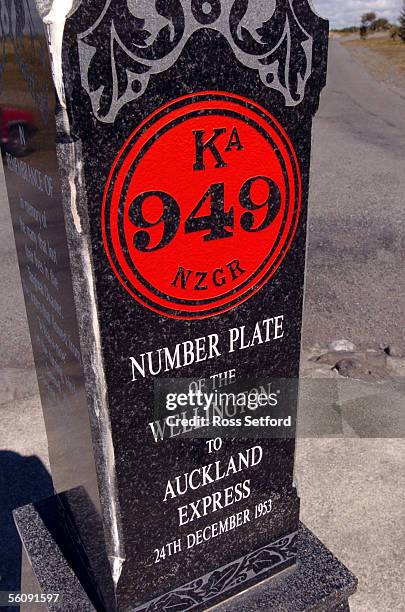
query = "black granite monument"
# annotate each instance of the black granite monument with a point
(157, 164)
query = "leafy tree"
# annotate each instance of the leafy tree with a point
(380, 24)
(368, 18)
(366, 21)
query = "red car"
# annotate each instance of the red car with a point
(16, 127)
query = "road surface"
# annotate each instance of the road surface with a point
(355, 286)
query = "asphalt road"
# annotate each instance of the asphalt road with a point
(356, 253)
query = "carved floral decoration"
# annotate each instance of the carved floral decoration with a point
(118, 59)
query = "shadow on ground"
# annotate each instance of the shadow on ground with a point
(22, 480)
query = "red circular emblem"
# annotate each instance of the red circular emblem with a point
(201, 205)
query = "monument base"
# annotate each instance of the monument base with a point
(318, 582)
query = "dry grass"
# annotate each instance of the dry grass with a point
(391, 50)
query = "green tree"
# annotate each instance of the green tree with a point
(380, 24)
(366, 21)
(368, 18)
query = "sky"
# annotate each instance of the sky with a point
(343, 13)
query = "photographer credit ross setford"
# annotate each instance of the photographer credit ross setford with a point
(158, 186)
